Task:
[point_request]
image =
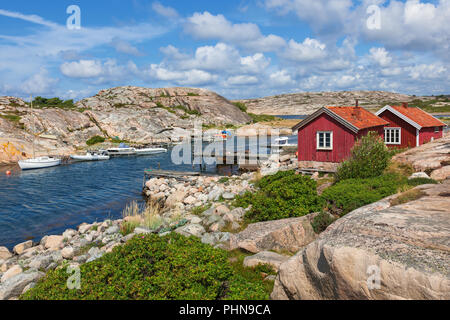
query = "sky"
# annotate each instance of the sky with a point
(238, 48)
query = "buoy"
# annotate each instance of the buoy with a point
(8, 173)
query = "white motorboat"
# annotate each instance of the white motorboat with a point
(149, 151)
(39, 163)
(282, 142)
(115, 152)
(90, 156)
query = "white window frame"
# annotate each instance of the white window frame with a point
(393, 130)
(436, 130)
(324, 140)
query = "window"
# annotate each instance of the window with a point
(436, 129)
(392, 135)
(324, 140)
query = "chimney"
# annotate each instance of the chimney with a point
(405, 104)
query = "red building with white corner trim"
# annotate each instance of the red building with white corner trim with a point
(329, 134)
(409, 127)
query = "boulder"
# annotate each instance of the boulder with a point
(175, 198)
(4, 253)
(14, 286)
(52, 242)
(41, 261)
(419, 175)
(112, 230)
(377, 252)
(67, 253)
(228, 195)
(441, 174)
(278, 235)
(265, 258)
(190, 200)
(21, 247)
(12, 272)
(191, 230)
(221, 210)
(83, 228)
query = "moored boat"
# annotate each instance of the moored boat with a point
(149, 151)
(39, 163)
(90, 156)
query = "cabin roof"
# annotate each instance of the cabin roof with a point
(354, 118)
(414, 116)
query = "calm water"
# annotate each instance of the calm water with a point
(48, 201)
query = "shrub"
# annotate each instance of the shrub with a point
(241, 106)
(369, 158)
(321, 222)
(151, 267)
(192, 94)
(418, 181)
(407, 196)
(95, 140)
(283, 195)
(350, 194)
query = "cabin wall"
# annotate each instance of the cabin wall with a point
(343, 141)
(427, 134)
(408, 132)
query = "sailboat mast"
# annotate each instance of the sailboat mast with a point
(32, 115)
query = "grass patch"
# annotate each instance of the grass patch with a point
(419, 181)
(241, 106)
(261, 117)
(143, 215)
(321, 222)
(407, 196)
(200, 209)
(192, 94)
(151, 267)
(95, 140)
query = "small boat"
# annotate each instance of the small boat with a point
(90, 156)
(39, 163)
(148, 151)
(282, 142)
(114, 152)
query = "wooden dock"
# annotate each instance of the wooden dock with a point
(172, 174)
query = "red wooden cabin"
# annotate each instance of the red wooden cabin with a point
(329, 134)
(409, 127)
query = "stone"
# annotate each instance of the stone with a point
(195, 220)
(14, 286)
(441, 173)
(406, 245)
(69, 234)
(83, 228)
(175, 198)
(81, 259)
(67, 252)
(278, 235)
(190, 200)
(4, 253)
(215, 194)
(41, 262)
(221, 210)
(419, 175)
(265, 258)
(52, 242)
(228, 195)
(215, 227)
(191, 230)
(112, 230)
(28, 287)
(112, 237)
(21, 247)
(209, 238)
(12, 272)
(142, 230)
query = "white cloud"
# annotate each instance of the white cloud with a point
(207, 26)
(39, 83)
(255, 63)
(123, 46)
(242, 80)
(281, 78)
(380, 56)
(82, 69)
(167, 12)
(309, 49)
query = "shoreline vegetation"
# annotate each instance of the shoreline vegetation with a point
(199, 239)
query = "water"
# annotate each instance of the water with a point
(48, 201)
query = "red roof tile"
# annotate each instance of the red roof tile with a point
(359, 117)
(419, 116)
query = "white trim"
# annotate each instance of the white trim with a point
(398, 114)
(394, 129)
(324, 137)
(417, 137)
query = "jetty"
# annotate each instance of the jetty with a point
(178, 175)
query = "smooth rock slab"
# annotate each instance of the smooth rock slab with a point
(265, 257)
(21, 247)
(191, 230)
(4, 253)
(407, 245)
(13, 271)
(279, 235)
(14, 286)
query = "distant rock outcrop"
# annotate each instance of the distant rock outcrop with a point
(308, 102)
(140, 115)
(377, 252)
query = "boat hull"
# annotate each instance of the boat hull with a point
(150, 151)
(38, 164)
(89, 158)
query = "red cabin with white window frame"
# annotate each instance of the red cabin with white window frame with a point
(409, 127)
(329, 134)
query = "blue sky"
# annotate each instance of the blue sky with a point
(238, 48)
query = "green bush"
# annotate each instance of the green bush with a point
(241, 106)
(350, 194)
(369, 158)
(283, 195)
(95, 140)
(418, 181)
(321, 222)
(151, 267)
